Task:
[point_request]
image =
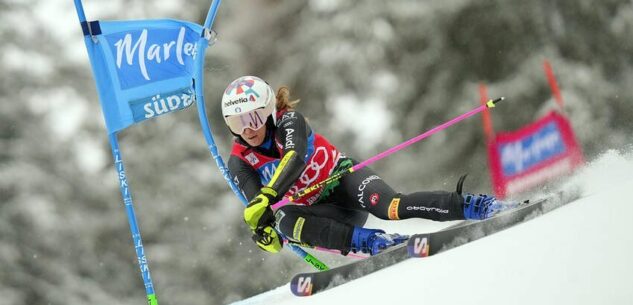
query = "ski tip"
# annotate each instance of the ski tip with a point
(419, 245)
(302, 285)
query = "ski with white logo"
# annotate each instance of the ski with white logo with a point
(306, 284)
(423, 245)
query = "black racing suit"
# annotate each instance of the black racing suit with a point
(329, 222)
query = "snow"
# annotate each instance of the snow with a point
(577, 254)
(369, 120)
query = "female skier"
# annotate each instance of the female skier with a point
(276, 154)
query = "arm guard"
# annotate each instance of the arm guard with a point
(286, 174)
(292, 132)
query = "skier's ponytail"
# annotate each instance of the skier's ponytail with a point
(283, 99)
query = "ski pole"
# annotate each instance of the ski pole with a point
(337, 176)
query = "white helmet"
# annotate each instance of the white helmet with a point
(247, 102)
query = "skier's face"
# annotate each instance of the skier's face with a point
(254, 137)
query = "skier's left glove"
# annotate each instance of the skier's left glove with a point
(258, 213)
(268, 239)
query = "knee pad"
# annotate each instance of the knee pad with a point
(387, 207)
(289, 223)
(392, 209)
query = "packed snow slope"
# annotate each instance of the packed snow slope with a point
(580, 253)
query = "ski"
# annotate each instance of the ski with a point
(427, 244)
(306, 284)
(423, 245)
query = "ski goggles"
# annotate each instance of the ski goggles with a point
(254, 120)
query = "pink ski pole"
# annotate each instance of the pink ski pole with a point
(286, 200)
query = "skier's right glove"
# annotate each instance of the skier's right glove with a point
(260, 218)
(268, 239)
(258, 213)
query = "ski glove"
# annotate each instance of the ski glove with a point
(260, 218)
(268, 240)
(258, 213)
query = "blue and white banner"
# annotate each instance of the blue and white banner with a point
(143, 68)
(534, 154)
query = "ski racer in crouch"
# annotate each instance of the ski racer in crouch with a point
(276, 154)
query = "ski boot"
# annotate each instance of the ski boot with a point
(374, 241)
(480, 207)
